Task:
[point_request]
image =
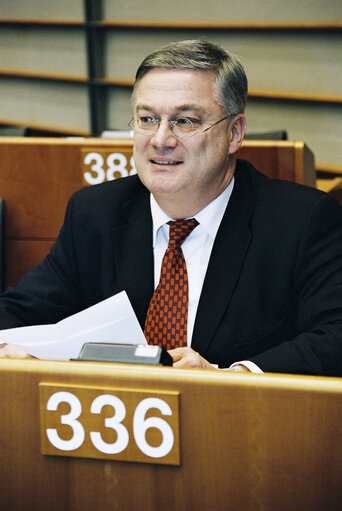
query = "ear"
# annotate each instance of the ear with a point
(236, 133)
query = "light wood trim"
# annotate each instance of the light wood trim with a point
(161, 24)
(270, 143)
(101, 142)
(96, 141)
(295, 96)
(42, 22)
(218, 25)
(117, 82)
(330, 169)
(327, 185)
(298, 160)
(38, 75)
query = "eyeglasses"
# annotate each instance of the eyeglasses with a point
(181, 128)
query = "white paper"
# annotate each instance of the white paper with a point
(112, 320)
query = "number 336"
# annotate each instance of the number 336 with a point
(140, 424)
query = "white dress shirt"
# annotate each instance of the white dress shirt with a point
(196, 249)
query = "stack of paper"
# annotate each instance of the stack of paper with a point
(112, 320)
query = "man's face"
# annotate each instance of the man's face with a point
(192, 171)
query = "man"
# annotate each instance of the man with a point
(264, 258)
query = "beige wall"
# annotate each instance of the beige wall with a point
(224, 10)
(301, 61)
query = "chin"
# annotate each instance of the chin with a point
(163, 190)
(161, 184)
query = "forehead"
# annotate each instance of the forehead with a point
(177, 89)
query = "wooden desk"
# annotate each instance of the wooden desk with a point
(38, 175)
(248, 442)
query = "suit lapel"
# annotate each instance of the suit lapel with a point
(226, 261)
(132, 247)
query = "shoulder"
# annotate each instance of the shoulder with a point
(109, 195)
(125, 186)
(278, 191)
(107, 204)
(285, 202)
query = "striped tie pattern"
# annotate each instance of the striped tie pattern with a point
(167, 316)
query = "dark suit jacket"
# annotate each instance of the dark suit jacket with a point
(273, 288)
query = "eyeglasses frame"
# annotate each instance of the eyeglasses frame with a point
(173, 123)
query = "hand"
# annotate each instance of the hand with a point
(239, 369)
(187, 357)
(9, 351)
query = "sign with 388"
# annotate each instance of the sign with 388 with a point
(101, 165)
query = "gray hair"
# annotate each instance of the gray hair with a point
(231, 81)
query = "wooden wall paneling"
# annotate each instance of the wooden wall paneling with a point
(289, 160)
(36, 179)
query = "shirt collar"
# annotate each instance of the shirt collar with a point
(209, 217)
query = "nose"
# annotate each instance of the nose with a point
(163, 137)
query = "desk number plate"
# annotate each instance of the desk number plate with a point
(99, 165)
(109, 423)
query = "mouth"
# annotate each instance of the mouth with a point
(166, 162)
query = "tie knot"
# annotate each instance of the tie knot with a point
(179, 231)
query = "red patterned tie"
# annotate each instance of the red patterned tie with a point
(167, 316)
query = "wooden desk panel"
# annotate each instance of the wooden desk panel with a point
(248, 442)
(38, 176)
(36, 180)
(292, 161)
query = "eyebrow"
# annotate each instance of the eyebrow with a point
(193, 108)
(182, 108)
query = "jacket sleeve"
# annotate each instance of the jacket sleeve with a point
(317, 346)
